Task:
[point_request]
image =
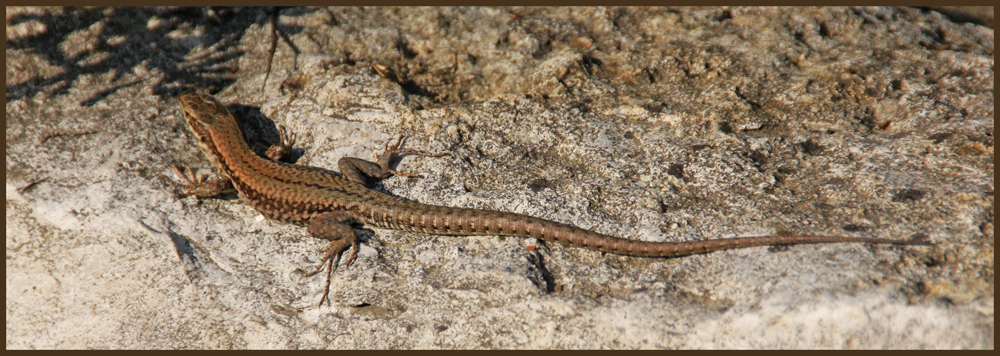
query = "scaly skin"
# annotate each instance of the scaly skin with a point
(330, 204)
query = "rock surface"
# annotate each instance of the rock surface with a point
(651, 124)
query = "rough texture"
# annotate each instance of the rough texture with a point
(651, 124)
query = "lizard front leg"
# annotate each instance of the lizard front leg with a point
(280, 150)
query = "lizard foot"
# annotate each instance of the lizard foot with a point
(280, 150)
(197, 185)
(397, 149)
(331, 258)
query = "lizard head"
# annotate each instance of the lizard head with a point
(205, 117)
(203, 110)
(200, 112)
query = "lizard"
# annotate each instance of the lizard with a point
(332, 204)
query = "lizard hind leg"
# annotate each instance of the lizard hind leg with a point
(368, 172)
(334, 226)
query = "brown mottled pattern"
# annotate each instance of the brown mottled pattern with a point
(296, 194)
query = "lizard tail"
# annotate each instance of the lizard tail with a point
(441, 220)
